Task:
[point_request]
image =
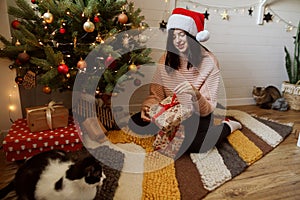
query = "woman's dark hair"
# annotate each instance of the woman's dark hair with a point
(193, 54)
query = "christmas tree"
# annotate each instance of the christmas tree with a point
(52, 38)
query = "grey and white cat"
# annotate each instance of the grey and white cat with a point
(54, 175)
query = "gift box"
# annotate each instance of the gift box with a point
(169, 113)
(169, 143)
(20, 143)
(94, 128)
(51, 116)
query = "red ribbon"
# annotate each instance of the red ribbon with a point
(166, 107)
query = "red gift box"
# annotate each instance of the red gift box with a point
(169, 113)
(20, 143)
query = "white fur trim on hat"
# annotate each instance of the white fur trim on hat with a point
(183, 22)
(202, 36)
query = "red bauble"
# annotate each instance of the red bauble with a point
(17, 62)
(34, 1)
(19, 80)
(96, 19)
(62, 30)
(122, 18)
(15, 24)
(63, 68)
(110, 62)
(23, 57)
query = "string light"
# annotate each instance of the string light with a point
(241, 9)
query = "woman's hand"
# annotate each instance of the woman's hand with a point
(186, 87)
(145, 113)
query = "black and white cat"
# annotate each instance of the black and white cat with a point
(54, 175)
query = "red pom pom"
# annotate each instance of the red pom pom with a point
(15, 24)
(63, 68)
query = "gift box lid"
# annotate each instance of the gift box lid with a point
(20, 137)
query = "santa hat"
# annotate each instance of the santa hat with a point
(190, 21)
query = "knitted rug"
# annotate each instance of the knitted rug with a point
(135, 172)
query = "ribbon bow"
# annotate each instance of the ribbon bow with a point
(50, 108)
(166, 106)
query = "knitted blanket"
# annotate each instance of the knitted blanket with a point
(135, 172)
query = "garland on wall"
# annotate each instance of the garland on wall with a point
(264, 11)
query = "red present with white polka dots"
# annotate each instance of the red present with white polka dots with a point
(20, 143)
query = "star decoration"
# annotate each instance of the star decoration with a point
(225, 15)
(162, 25)
(250, 11)
(206, 14)
(268, 17)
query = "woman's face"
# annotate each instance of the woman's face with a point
(180, 40)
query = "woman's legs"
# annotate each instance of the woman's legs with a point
(205, 136)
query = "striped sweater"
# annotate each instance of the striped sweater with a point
(206, 78)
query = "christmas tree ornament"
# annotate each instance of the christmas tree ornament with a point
(34, 1)
(88, 26)
(143, 38)
(122, 18)
(81, 64)
(15, 24)
(23, 57)
(29, 80)
(110, 62)
(125, 41)
(133, 68)
(48, 17)
(99, 39)
(18, 62)
(97, 18)
(19, 80)
(46, 89)
(62, 30)
(63, 68)
(18, 43)
(137, 82)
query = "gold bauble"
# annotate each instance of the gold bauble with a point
(89, 26)
(132, 68)
(81, 64)
(122, 18)
(46, 89)
(18, 43)
(48, 17)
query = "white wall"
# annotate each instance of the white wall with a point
(9, 91)
(249, 54)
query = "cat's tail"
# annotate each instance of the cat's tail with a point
(7, 189)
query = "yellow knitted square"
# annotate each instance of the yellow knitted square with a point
(246, 149)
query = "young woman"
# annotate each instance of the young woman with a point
(192, 72)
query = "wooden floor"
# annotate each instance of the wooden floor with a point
(276, 176)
